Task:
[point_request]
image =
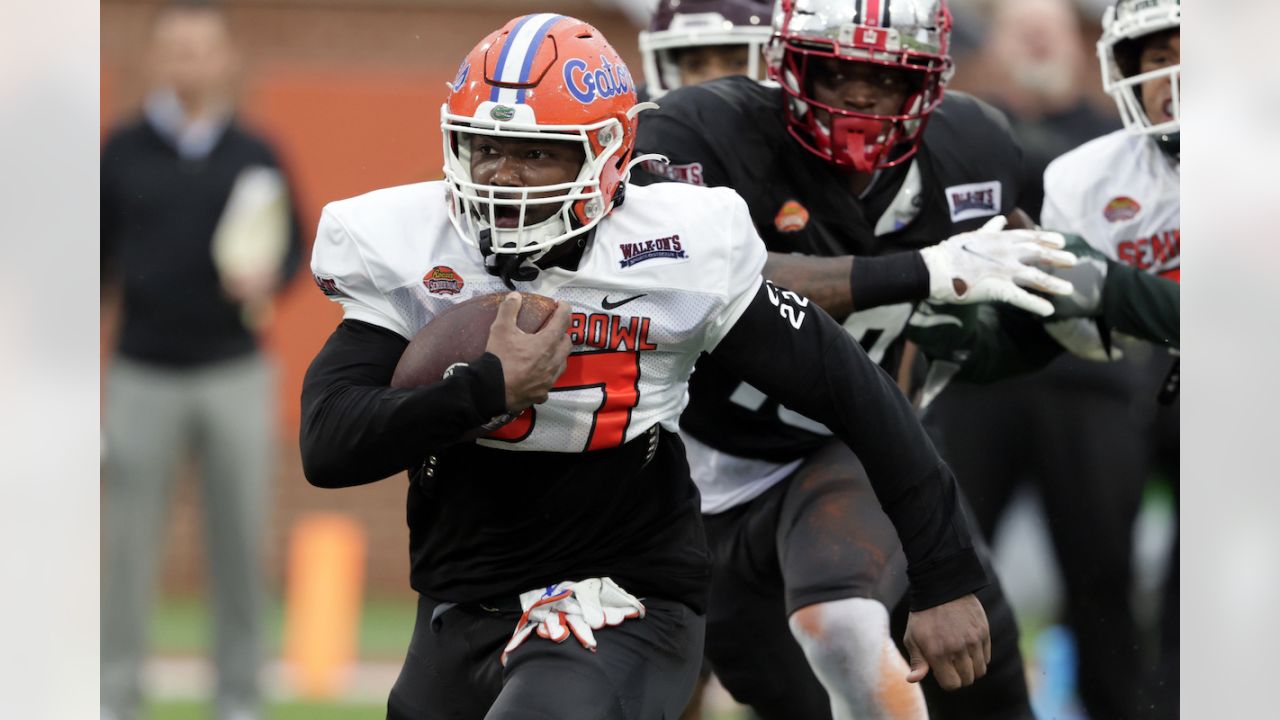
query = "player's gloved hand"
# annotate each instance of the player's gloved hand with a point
(573, 608)
(992, 264)
(531, 362)
(953, 640)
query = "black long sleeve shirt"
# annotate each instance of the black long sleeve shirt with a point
(486, 522)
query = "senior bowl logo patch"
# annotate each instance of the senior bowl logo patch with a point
(791, 218)
(1121, 208)
(442, 280)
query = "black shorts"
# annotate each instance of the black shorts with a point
(819, 536)
(643, 669)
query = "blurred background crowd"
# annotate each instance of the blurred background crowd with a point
(338, 97)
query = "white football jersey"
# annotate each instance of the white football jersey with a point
(663, 279)
(1121, 193)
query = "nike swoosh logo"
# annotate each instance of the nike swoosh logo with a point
(609, 305)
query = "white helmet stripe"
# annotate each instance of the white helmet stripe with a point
(517, 55)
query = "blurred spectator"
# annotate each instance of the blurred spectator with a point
(198, 230)
(1038, 70)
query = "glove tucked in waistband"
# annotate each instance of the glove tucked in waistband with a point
(576, 608)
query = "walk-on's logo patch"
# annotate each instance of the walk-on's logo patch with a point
(973, 200)
(791, 218)
(328, 286)
(637, 252)
(442, 280)
(1121, 208)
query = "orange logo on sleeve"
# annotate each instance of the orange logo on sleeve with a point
(791, 218)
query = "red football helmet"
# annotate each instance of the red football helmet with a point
(911, 35)
(541, 76)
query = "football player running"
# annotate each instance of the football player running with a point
(854, 152)
(560, 560)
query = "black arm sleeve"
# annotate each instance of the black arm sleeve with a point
(1142, 305)
(814, 367)
(357, 429)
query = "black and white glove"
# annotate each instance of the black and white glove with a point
(992, 264)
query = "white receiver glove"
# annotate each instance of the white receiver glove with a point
(573, 608)
(989, 265)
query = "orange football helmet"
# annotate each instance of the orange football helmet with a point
(541, 76)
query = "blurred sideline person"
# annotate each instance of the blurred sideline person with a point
(693, 41)
(550, 506)
(198, 231)
(1036, 63)
(854, 151)
(1121, 194)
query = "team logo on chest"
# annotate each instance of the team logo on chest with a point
(973, 200)
(1121, 208)
(637, 252)
(442, 280)
(792, 217)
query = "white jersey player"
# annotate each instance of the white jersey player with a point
(659, 283)
(1121, 191)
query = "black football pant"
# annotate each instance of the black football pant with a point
(643, 669)
(1078, 434)
(821, 536)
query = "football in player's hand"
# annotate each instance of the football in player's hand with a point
(459, 335)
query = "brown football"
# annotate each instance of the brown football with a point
(459, 335)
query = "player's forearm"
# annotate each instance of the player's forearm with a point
(1142, 305)
(845, 284)
(987, 342)
(356, 429)
(814, 367)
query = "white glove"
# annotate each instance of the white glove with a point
(989, 265)
(576, 608)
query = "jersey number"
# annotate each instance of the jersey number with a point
(877, 328)
(874, 329)
(617, 374)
